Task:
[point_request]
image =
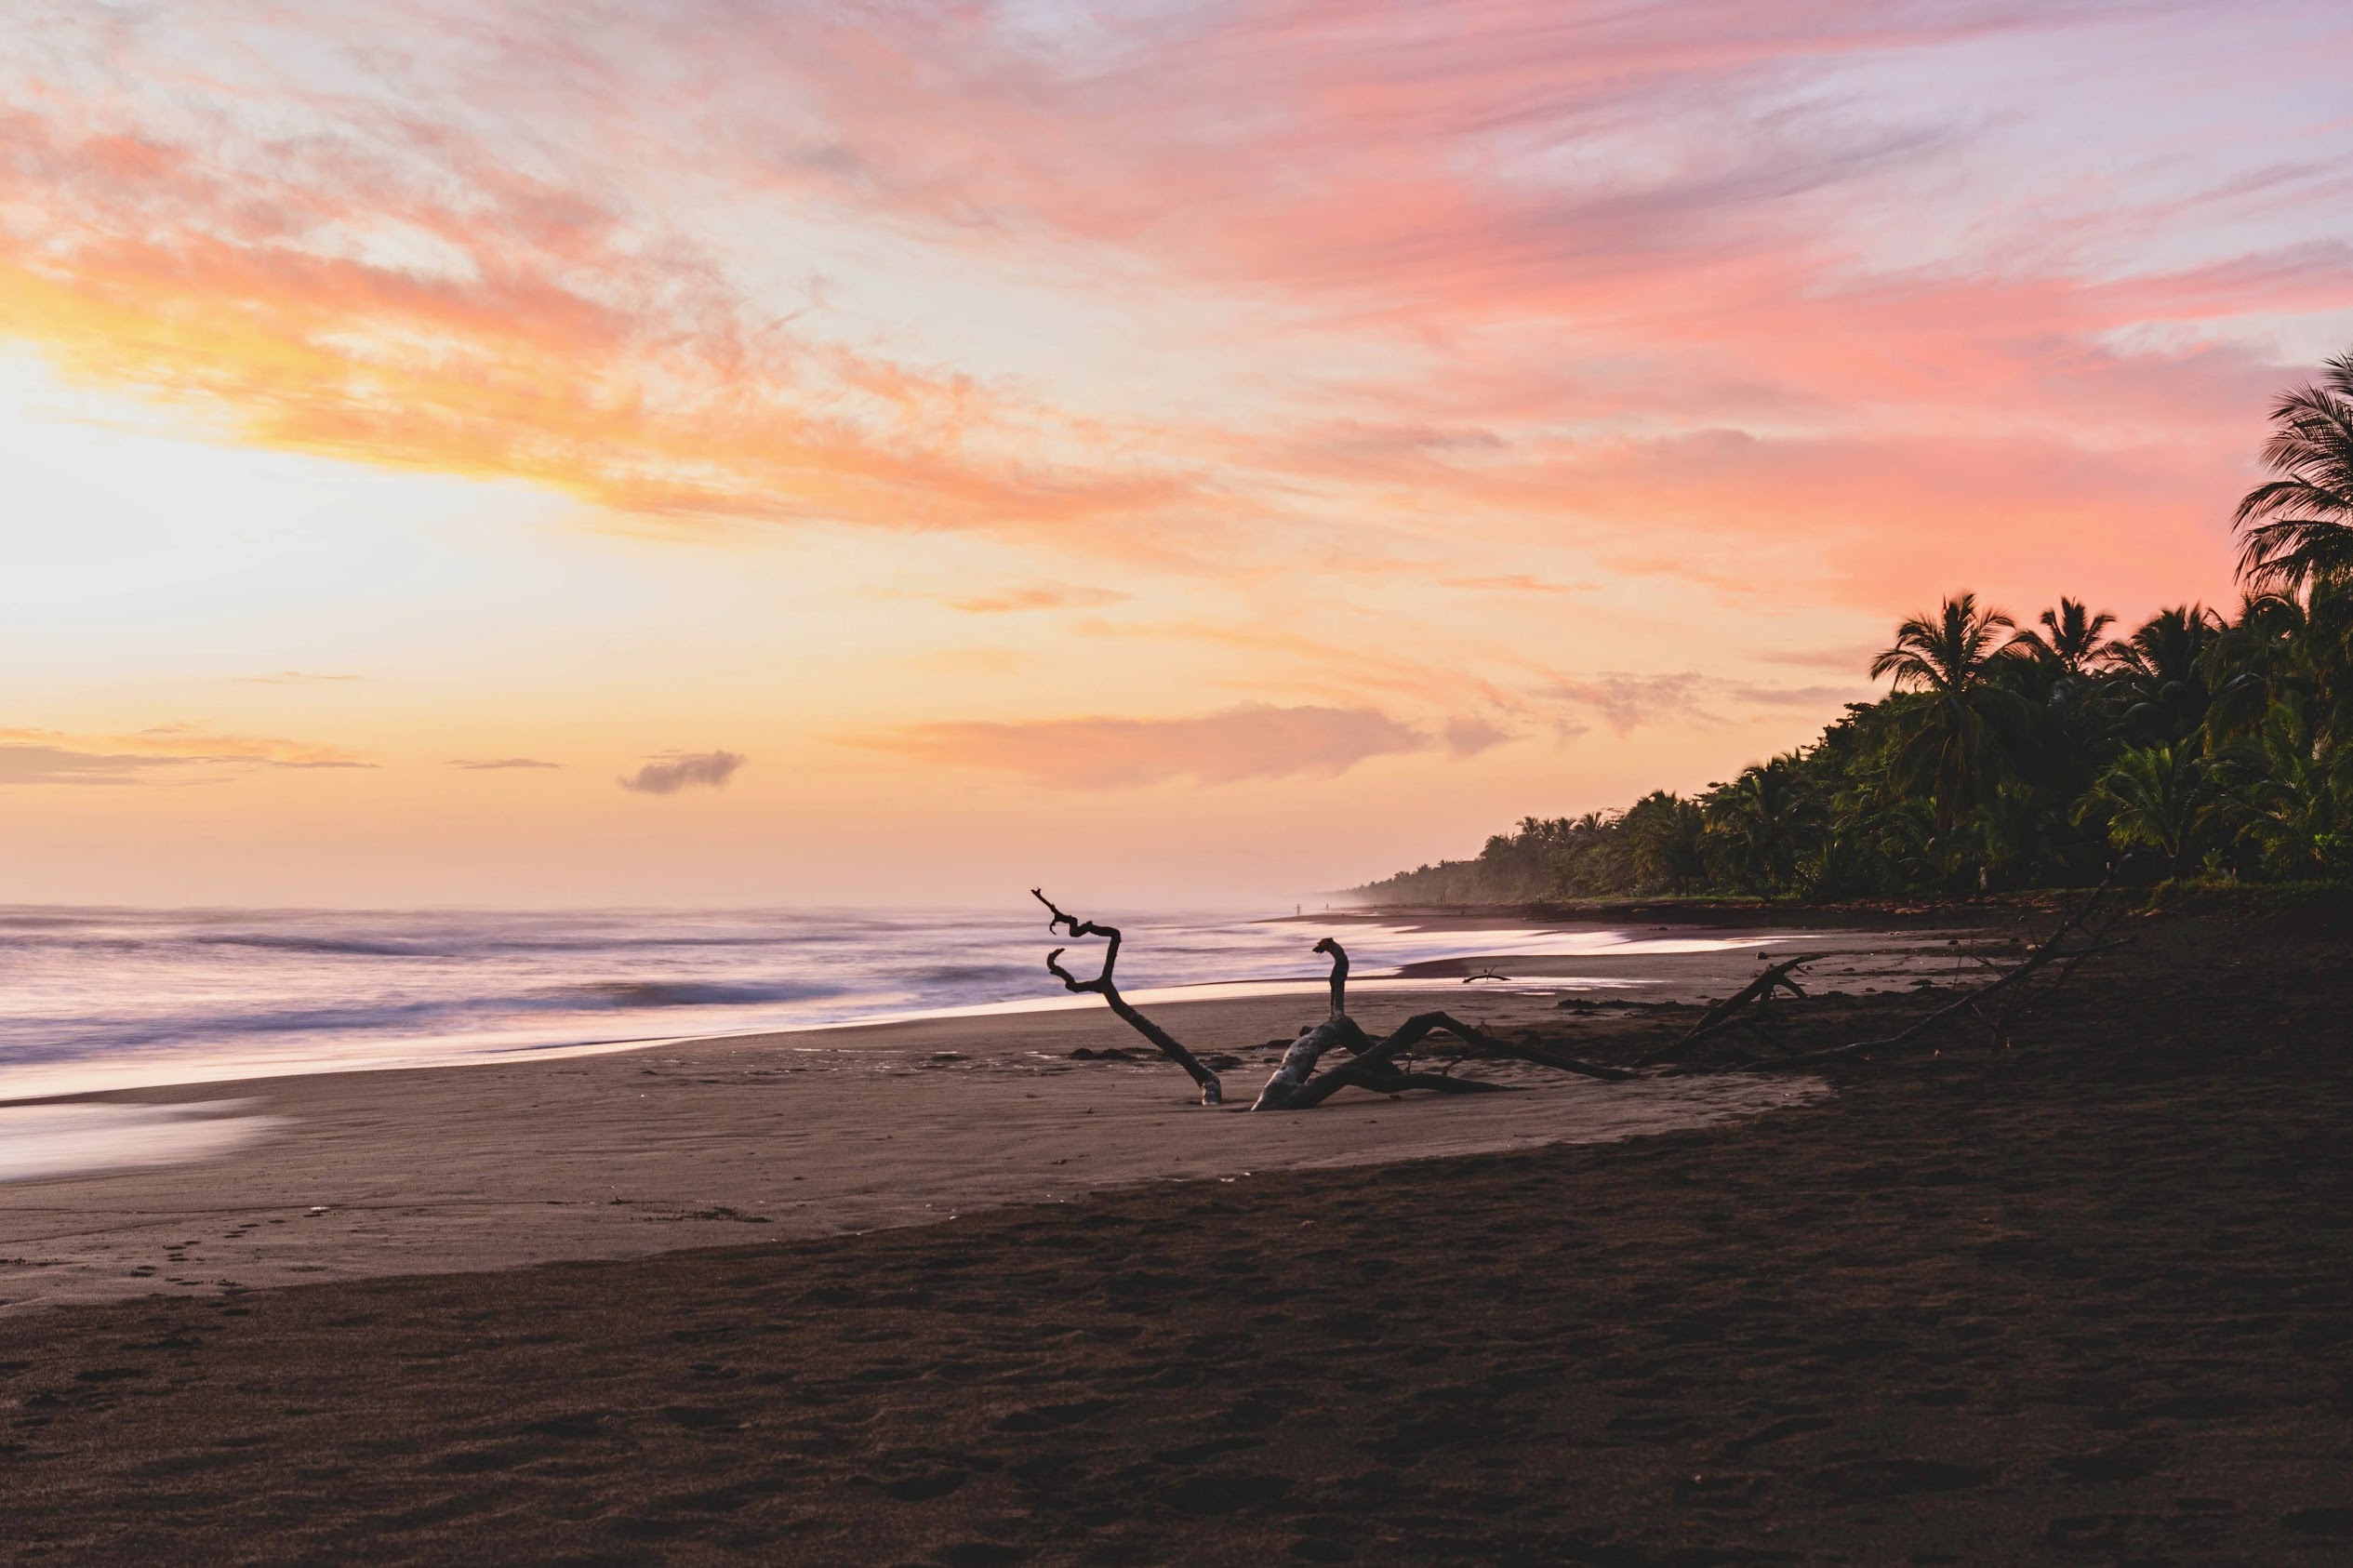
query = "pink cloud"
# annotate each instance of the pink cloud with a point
(1505, 269)
(1250, 742)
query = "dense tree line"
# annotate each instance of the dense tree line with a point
(2209, 744)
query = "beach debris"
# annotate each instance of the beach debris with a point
(1740, 1010)
(1212, 1091)
(1295, 1085)
(1995, 1005)
(1976, 1002)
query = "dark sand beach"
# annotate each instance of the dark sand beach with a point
(2090, 1301)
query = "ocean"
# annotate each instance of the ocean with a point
(95, 999)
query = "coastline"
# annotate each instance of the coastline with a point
(623, 1149)
(2080, 1302)
(620, 1154)
(257, 999)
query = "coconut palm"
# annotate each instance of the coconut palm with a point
(2069, 639)
(2294, 791)
(2297, 529)
(2156, 797)
(1761, 823)
(2259, 658)
(1663, 831)
(1951, 741)
(2160, 672)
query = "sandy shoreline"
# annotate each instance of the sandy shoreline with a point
(2079, 1303)
(356, 1174)
(332, 1176)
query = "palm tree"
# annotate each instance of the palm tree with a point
(1664, 833)
(2152, 796)
(2162, 670)
(2294, 794)
(2297, 529)
(1949, 744)
(2262, 658)
(1762, 821)
(2069, 638)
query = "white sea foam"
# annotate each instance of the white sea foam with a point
(51, 1140)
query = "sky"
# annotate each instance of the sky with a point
(1210, 453)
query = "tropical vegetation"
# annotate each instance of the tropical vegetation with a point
(2205, 744)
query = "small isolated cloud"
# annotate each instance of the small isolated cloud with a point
(1055, 597)
(1252, 741)
(293, 678)
(685, 770)
(485, 763)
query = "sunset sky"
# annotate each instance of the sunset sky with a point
(731, 452)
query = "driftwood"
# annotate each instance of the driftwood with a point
(1211, 1092)
(2042, 954)
(1302, 1080)
(1994, 1004)
(1732, 1012)
(1294, 1084)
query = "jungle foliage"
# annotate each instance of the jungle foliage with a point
(2211, 745)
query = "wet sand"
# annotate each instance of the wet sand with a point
(339, 1175)
(2087, 1302)
(373, 1174)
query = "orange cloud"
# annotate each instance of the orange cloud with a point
(1627, 702)
(1040, 597)
(36, 756)
(1249, 742)
(525, 334)
(1506, 270)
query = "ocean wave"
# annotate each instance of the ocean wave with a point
(691, 993)
(354, 947)
(967, 974)
(43, 1040)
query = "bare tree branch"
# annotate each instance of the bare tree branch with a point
(1211, 1092)
(2036, 957)
(1724, 1015)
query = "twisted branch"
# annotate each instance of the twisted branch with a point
(1104, 986)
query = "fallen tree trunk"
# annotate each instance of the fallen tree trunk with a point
(1338, 1030)
(1294, 1084)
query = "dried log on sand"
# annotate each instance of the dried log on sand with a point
(1372, 1064)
